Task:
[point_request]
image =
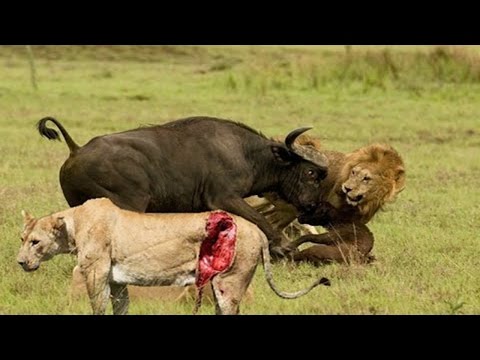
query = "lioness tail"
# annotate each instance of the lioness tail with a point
(269, 277)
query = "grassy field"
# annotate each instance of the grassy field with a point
(424, 101)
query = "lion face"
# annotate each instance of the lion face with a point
(362, 183)
(41, 240)
(371, 176)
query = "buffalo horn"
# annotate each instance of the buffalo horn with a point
(306, 152)
(290, 139)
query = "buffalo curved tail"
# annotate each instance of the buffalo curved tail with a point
(269, 277)
(52, 134)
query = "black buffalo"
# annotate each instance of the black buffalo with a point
(190, 165)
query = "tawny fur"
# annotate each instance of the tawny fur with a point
(343, 243)
(182, 294)
(116, 247)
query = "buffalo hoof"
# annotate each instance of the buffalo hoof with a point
(281, 252)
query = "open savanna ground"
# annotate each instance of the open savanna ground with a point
(424, 101)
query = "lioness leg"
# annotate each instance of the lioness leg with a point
(120, 299)
(229, 288)
(98, 288)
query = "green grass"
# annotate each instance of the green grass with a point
(422, 100)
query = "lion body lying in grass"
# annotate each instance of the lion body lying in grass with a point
(357, 186)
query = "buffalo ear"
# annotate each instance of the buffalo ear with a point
(282, 155)
(27, 217)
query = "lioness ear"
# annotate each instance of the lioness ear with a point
(26, 217)
(282, 155)
(59, 223)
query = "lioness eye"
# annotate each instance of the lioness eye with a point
(34, 242)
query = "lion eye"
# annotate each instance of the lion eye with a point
(35, 242)
(367, 178)
(353, 172)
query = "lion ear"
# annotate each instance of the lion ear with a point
(27, 217)
(399, 179)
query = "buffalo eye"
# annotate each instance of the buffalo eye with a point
(312, 174)
(34, 242)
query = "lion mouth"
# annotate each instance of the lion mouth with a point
(29, 268)
(354, 201)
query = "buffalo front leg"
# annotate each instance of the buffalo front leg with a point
(120, 298)
(236, 205)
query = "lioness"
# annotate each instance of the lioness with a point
(116, 247)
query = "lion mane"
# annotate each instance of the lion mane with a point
(386, 171)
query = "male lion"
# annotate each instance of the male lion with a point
(358, 184)
(116, 247)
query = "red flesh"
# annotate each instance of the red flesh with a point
(218, 249)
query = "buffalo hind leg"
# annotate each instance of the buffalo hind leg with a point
(76, 197)
(120, 299)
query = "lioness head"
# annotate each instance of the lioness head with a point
(372, 175)
(41, 240)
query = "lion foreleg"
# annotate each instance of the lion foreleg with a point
(323, 239)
